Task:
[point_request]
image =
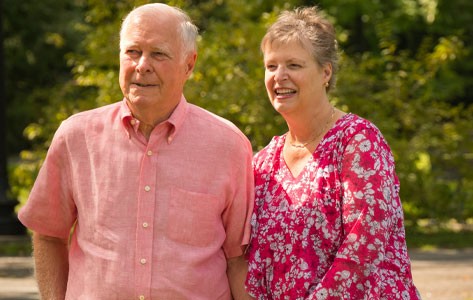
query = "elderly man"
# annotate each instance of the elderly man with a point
(150, 197)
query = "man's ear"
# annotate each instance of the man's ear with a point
(190, 63)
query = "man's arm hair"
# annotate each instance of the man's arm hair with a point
(51, 266)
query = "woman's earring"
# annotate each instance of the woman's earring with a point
(326, 84)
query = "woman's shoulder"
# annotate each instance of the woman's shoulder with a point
(352, 124)
(354, 130)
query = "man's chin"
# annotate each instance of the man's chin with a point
(141, 100)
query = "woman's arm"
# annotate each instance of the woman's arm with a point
(370, 211)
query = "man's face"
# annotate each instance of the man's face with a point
(153, 65)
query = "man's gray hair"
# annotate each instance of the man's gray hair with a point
(189, 31)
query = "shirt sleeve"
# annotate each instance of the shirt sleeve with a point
(50, 208)
(237, 216)
(370, 203)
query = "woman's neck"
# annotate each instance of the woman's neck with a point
(310, 125)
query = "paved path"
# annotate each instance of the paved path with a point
(443, 274)
(16, 279)
(439, 275)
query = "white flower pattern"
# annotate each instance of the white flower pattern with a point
(337, 230)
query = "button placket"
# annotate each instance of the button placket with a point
(146, 207)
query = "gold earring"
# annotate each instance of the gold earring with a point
(326, 84)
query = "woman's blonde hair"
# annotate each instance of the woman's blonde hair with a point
(309, 27)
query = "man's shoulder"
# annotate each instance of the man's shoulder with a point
(89, 119)
(212, 121)
(98, 114)
(94, 112)
(208, 116)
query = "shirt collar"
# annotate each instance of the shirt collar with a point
(127, 118)
(175, 120)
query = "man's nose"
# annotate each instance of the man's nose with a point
(144, 65)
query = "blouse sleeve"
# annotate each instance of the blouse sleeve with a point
(370, 203)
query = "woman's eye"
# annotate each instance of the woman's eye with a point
(294, 66)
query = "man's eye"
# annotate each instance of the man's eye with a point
(160, 55)
(132, 52)
(271, 67)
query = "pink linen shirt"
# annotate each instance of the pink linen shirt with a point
(153, 220)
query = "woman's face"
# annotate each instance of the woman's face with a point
(294, 80)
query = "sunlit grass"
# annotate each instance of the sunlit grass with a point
(15, 246)
(430, 235)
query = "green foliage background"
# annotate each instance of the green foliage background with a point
(407, 65)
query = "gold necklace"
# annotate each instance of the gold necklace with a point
(303, 145)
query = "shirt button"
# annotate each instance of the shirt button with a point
(145, 224)
(149, 153)
(147, 188)
(142, 297)
(143, 261)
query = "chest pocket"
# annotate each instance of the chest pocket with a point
(193, 218)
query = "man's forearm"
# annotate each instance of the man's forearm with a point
(237, 268)
(51, 266)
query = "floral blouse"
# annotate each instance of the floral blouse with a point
(336, 231)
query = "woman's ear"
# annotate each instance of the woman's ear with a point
(327, 72)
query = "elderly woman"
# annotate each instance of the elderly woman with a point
(328, 221)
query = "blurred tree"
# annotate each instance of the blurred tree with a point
(37, 38)
(9, 223)
(406, 65)
(408, 76)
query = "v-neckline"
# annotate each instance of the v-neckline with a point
(284, 164)
(290, 172)
(282, 161)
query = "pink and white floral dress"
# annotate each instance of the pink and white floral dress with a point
(336, 231)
